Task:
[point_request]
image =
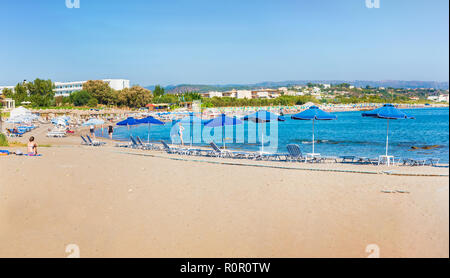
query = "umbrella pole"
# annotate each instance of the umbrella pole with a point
(387, 137)
(262, 139)
(223, 136)
(313, 138)
(148, 135)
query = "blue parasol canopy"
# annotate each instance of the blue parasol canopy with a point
(222, 121)
(388, 112)
(263, 117)
(150, 120)
(129, 121)
(314, 113)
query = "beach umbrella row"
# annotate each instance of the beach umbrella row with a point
(388, 112)
(130, 121)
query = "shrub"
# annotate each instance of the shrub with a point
(3, 140)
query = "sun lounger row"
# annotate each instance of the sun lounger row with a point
(294, 154)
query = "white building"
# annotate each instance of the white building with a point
(260, 94)
(440, 98)
(326, 86)
(244, 94)
(231, 93)
(66, 88)
(6, 87)
(211, 94)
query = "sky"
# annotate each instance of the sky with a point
(223, 41)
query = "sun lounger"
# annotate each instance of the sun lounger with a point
(94, 142)
(269, 156)
(172, 150)
(413, 162)
(356, 159)
(85, 142)
(420, 162)
(348, 158)
(326, 158)
(12, 133)
(145, 146)
(218, 152)
(134, 143)
(432, 161)
(295, 153)
(366, 160)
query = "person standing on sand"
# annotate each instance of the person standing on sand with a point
(92, 130)
(110, 131)
(180, 133)
(32, 147)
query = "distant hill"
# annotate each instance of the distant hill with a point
(174, 89)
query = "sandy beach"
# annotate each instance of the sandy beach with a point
(115, 202)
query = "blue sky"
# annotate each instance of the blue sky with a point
(223, 41)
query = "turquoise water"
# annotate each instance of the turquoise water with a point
(350, 134)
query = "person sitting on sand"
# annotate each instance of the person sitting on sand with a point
(32, 147)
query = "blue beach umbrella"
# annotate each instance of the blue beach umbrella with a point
(263, 116)
(388, 112)
(130, 121)
(222, 121)
(314, 113)
(150, 121)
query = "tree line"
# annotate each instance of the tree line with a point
(96, 92)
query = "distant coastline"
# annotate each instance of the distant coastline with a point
(413, 84)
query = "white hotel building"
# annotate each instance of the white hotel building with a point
(66, 88)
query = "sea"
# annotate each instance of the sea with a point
(425, 136)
